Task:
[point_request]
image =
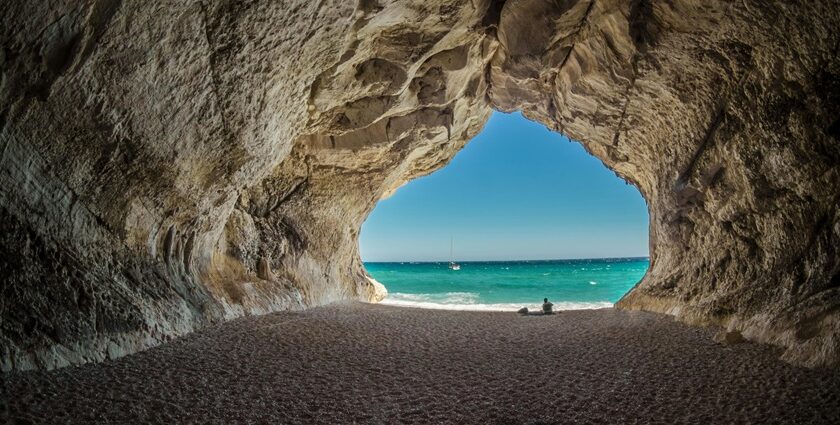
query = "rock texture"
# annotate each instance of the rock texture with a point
(169, 165)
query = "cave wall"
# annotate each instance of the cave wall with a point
(171, 165)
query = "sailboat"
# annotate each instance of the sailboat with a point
(452, 264)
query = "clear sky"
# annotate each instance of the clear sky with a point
(517, 191)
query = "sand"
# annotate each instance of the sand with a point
(384, 364)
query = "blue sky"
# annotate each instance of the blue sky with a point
(517, 191)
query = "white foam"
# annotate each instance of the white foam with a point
(466, 301)
(442, 298)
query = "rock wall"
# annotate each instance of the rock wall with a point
(725, 116)
(165, 166)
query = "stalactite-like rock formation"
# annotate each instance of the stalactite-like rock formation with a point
(169, 165)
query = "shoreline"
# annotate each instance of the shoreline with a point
(559, 306)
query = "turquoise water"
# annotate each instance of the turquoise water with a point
(509, 285)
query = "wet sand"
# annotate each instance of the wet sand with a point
(383, 364)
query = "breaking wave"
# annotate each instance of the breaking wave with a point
(469, 301)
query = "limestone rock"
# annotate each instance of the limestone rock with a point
(170, 165)
(378, 292)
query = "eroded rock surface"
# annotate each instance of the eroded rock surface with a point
(172, 165)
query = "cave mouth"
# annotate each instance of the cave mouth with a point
(525, 213)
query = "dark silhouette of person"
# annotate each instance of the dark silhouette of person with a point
(547, 306)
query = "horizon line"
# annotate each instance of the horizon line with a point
(512, 260)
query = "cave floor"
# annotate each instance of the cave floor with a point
(382, 364)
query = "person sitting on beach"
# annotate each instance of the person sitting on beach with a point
(547, 306)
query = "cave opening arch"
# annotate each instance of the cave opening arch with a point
(532, 215)
(696, 127)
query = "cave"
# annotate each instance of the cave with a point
(169, 167)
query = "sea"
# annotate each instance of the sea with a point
(509, 285)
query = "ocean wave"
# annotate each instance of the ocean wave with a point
(440, 298)
(467, 301)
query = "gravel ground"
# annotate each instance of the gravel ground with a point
(382, 364)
